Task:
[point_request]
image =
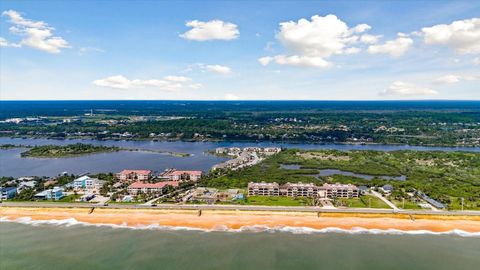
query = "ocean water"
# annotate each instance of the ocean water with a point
(89, 247)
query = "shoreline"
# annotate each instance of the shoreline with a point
(472, 146)
(242, 220)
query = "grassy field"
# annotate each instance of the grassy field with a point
(362, 202)
(277, 201)
(409, 204)
(457, 205)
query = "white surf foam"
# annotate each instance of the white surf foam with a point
(223, 228)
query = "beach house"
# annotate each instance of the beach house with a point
(7, 193)
(55, 193)
(87, 182)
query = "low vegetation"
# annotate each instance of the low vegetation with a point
(55, 151)
(444, 176)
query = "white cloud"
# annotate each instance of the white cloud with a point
(476, 61)
(265, 60)
(35, 34)
(302, 61)
(177, 78)
(168, 83)
(352, 50)
(370, 39)
(395, 48)
(231, 96)
(219, 69)
(5, 43)
(361, 28)
(463, 36)
(451, 78)
(399, 88)
(215, 29)
(313, 41)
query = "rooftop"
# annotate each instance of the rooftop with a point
(178, 172)
(153, 185)
(136, 172)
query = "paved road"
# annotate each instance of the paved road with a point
(241, 208)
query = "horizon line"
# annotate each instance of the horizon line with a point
(243, 100)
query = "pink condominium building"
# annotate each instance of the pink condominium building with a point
(134, 175)
(178, 175)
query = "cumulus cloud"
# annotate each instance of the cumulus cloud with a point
(35, 34)
(395, 48)
(399, 88)
(211, 30)
(219, 69)
(313, 41)
(299, 60)
(451, 78)
(168, 83)
(462, 36)
(370, 39)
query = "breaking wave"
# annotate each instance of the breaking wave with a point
(223, 228)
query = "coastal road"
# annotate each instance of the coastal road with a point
(312, 209)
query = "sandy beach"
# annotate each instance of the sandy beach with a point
(234, 220)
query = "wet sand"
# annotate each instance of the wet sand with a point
(221, 220)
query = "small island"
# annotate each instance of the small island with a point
(8, 146)
(71, 150)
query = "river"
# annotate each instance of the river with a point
(11, 164)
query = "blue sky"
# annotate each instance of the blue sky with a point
(309, 50)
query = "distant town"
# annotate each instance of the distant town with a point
(312, 122)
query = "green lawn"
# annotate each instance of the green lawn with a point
(362, 202)
(409, 204)
(70, 198)
(277, 201)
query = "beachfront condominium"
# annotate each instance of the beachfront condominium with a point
(299, 190)
(263, 189)
(178, 175)
(303, 190)
(157, 188)
(340, 191)
(134, 175)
